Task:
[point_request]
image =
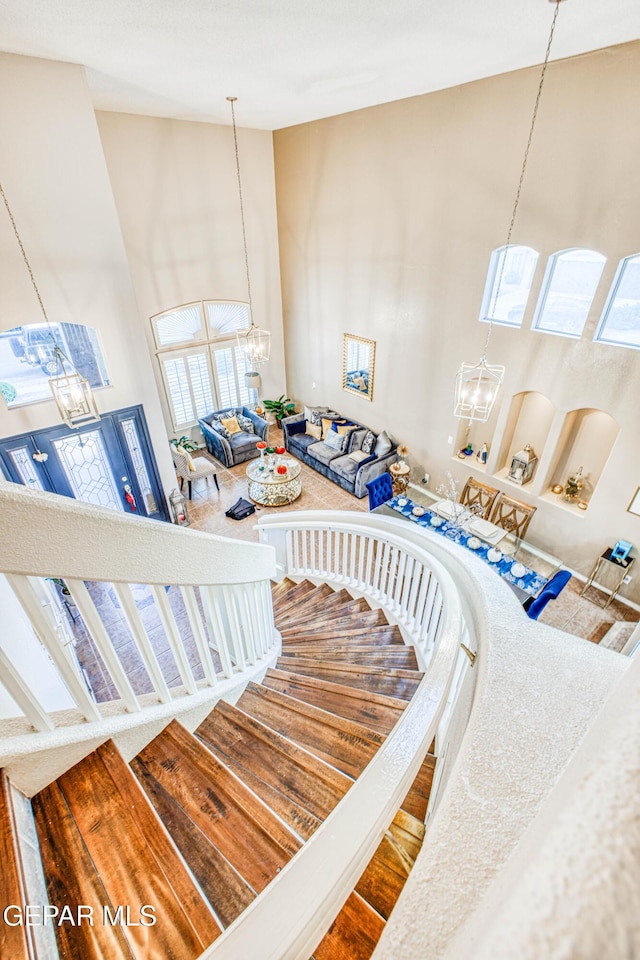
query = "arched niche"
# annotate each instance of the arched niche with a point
(529, 422)
(586, 440)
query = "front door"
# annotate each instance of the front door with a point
(108, 463)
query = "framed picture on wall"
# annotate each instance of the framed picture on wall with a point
(634, 506)
(358, 365)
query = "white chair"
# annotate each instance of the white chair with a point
(203, 468)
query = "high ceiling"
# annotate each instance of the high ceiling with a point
(290, 61)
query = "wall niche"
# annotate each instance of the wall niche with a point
(529, 421)
(586, 440)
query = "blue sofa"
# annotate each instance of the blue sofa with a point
(239, 446)
(334, 464)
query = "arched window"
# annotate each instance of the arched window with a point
(567, 293)
(27, 359)
(202, 367)
(513, 268)
(620, 320)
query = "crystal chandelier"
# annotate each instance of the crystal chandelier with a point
(255, 342)
(71, 391)
(478, 384)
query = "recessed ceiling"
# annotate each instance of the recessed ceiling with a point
(290, 61)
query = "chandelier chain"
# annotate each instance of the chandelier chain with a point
(244, 231)
(24, 256)
(521, 181)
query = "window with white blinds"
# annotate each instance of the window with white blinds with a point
(230, 365)
(207, 375)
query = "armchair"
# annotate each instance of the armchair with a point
(239, 446)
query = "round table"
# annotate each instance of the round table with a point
(399, 477)
(272, 489)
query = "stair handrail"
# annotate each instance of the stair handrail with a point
(310, 890)
(46, 535)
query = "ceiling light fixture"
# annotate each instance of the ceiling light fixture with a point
(71, 391)
(478, 384)
(254, 342)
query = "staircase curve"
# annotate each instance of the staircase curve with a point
(301, 795)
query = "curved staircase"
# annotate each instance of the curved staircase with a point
(198, 824)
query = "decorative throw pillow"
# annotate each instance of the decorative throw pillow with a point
(326, 426)
(343, 426)
(191, 465)
(245, 423)
(334, 440)
(368, 442)
(314, 430)
(220, 428)
(383, 445)
(314, 414)
(356, 438)
(232, 425)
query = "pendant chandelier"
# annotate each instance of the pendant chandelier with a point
(255, 343)
(478, 384)
(71, 391)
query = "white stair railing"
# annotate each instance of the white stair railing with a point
(287, 920)
(223, 592)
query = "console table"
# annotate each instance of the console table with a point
(623, 568)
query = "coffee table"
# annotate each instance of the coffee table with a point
(272, 489)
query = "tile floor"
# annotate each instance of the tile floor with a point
(574, 614)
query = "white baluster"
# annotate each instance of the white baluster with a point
(217, 627)
(199, 635)
(68, 668)
(174, 638)
(19, 690)
(141, 640)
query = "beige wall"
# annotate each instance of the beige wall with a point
(176, 190)
(53, 172)
(387, 218)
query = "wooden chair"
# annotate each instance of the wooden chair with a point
(479, 496)
(512, 515)
(203, 468)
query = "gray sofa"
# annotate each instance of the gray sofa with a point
(337, 465)
(239, 446)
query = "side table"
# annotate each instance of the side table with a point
(399, 477)
(623, 567)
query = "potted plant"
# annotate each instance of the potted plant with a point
(183, 443)
(282, 407)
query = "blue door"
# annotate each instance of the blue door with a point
(109, 463)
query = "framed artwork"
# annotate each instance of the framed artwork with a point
(634, 506)
(358, 365)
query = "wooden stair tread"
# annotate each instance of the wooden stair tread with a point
(401, 684)
(13, 940)
(311, 783)
(71, 878)
(298, 594)
(391, 656)
(346, 745)
(327, 609)
(368, 618)
(374, 711)
(322, 600)
(385, 634)
(300, 821)
(225, 889)
(382, 882)
(354, 933)
(280, 589)
(234, 819)
(417, 798)
(108, 804)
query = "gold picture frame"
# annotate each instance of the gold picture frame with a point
(358, 365)
(634, 506)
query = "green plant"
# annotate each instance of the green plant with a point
(281, 407)
(183, 442)
(8, 391)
